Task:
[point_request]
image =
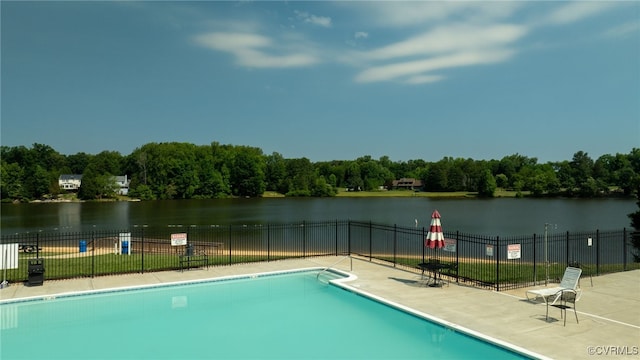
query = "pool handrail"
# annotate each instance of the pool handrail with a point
(336, 263)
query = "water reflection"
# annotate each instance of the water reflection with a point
(70, 217)
(476, 216)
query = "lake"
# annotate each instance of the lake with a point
(500, 216)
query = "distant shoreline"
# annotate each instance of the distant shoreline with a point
(427, 194)
(354, 194)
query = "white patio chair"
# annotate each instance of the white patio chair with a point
(559, 296)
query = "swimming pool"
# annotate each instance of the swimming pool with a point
(288, 315)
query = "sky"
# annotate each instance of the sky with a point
(325, 80)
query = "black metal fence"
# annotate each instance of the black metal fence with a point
(495, 262)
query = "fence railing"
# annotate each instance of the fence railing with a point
(496, 262)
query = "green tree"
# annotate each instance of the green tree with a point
(582, 173)
(107, 162)
(353, 177)
(502, 181)
(276, 173)
(211, 182)
(322, 189)
(90, 188)
(373, 174)
(37, 182)
(11, 182)
(436, 177)
(142, 192)
(302, 177)
(487, 184)
(247, 172)
(77, 163)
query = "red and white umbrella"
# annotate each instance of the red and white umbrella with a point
(435, 237)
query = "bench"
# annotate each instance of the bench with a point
(213, 248)
(188, 260)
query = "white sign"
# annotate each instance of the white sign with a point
(513, 251)
(449, 245)
(178, 239)
(589, 241)
(489, 250)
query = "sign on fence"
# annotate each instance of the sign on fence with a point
(178, 239)
(513, 251)
(489, 250)
(449, 245)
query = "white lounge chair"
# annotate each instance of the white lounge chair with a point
(559, 296)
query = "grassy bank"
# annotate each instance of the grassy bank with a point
(408, 193)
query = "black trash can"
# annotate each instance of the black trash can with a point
(36, 272)
(189, 250)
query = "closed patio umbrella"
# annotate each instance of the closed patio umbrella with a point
(435, 237)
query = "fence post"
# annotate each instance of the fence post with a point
(142, 254)
(230, 252)
(93, 254)
(535, 266)
(268, 242)
(457, 256)
(336, 237)
(567, 249)
(624, 249)
(497, 263)
(304, 239)
(370, 241)
(395, 235)
(422, 242)
(349, 236)
(597, 252)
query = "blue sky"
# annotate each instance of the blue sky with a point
(325, 80)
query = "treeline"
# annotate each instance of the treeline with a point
(187, 171)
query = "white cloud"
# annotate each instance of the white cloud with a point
(319, 20)
(579, 10)
(419, 13)
(257, 51)
(623, 29)
(361, 35)
(420, 39)
(452, 39)
(413, 59)
(314, 19)
(404, 71)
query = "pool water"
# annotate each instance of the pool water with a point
(291, 315)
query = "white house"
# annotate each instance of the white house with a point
(69, 182)
(123, 184)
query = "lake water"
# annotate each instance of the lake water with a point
(501, 216)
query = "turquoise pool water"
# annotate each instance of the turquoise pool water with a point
(286, 316)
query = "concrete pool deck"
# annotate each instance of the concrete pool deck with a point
(609, 311)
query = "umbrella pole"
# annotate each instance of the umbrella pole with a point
(546, 255)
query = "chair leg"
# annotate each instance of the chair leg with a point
(546, 317)
(575, 313)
